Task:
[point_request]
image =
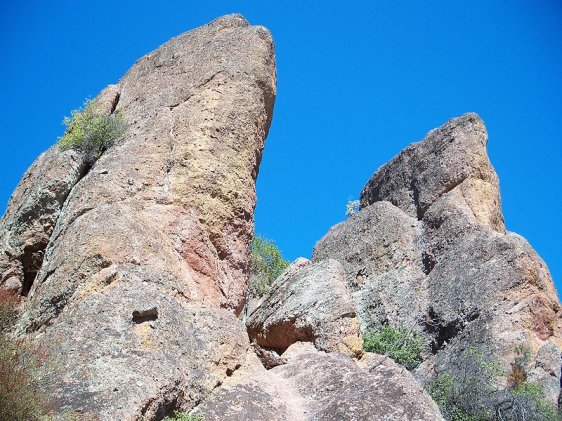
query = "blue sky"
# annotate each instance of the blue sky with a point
(357, 82)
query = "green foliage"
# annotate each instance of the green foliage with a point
(401, 344)
(21, 398)
(267, 265)
(352, 207)
(91, 131)
(184, 416)
(474, 394)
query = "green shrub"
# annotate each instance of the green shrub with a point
(473, 393)
(267, 265)
(184, 416)
(91, 131)
(401, 344)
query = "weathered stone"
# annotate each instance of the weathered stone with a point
(379, 250)
(312, 304)
(36, 205)
(426, 170)
(152, 246)
(32, 213)
(429, 250)
(313, 385)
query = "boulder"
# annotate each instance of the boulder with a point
(379, 250)
(312, 303)
(314, 385)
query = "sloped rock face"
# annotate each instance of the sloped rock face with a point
(148, 251)
(313, 385)
(36, 205)
(32, 213)
(429, 249)
(307, 303)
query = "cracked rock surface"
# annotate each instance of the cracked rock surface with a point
(313, 385)
(144, 258)
(429, 250)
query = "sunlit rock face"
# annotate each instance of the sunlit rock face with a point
(143, 258)
(429, 250)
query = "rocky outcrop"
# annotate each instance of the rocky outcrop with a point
(36, 205)
(313, 385)
(308, 303)
(32, 213)
(429, 250)
(136, 266)
(146, 252)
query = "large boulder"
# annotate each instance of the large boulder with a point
(312, 303)
(429, 250)
(313, 385)
(148, 252)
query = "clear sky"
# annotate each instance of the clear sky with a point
(357, 82)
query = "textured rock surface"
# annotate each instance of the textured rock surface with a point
(426, 170)
(148, 253)
(379, 249)
(313, 385)
(32, 213)
(428, 249)
(312, 303)
(36, 205)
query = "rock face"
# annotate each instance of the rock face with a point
(36, 205)
(429, 250)
(307, 303)
(312, 385)
(148, 250)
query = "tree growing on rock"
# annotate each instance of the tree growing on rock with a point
(91, 131)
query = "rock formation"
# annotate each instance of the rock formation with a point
(429, 250)
(308, 303)
(138, 265)
(312, 385)
(134, 269)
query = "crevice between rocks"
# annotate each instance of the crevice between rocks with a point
(443, 332)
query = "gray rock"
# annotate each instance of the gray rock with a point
(429, 250)
(313, 385)
(32, 213)
(426, 170)
(379, 250)
(312, 304)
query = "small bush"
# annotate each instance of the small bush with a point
(21, 398)
(352, 207)
(267, 265)
(401, 344)
(91, 131)
(184, 416)
(474, 394)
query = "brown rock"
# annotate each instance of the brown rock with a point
(152, 246)
(313, 385)
(310, 304)
(429, 250)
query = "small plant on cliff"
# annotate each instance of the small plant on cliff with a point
(267, 265)
(352, 207)
(21, 398)
(91, 131)
(401, 344)
(473, 392)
